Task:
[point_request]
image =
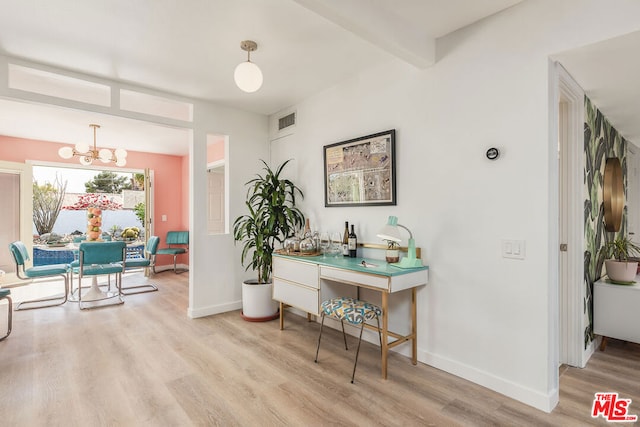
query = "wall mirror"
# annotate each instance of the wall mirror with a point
(613, 194)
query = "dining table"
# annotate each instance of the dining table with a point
(67, 253)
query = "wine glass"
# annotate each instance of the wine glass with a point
(325, 243)
(336, 243)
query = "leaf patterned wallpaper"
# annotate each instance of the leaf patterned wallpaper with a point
(601, 141)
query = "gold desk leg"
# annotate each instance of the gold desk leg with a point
(385, 329)
(309, 317)
(414, 328)
(603, 343)
(281, 315)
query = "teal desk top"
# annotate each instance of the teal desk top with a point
(374, 266)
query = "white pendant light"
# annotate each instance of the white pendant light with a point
(247, 75)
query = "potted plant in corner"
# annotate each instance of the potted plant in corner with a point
(619, 267)
(272, 217)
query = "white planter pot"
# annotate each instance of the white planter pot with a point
(621, 271)
(257, 302)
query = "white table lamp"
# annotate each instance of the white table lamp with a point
(391, 231)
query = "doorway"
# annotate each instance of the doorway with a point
(633, 191)
(569, 107)
(127, 190)
(16, 189)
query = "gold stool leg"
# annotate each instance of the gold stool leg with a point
(357, 352)
(320, 337)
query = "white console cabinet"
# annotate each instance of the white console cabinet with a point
(616, 311)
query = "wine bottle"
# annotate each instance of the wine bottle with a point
(345, 239)
(353, 243)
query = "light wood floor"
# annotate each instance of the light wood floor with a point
(145, 363)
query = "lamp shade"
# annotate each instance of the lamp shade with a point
(390, 231)
(65, 152)
(82, 147)
(105, 155)
(85, 160)
(248, 76)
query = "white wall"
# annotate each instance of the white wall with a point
(216, 273)
(483, 317)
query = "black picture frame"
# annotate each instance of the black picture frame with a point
(361, 171)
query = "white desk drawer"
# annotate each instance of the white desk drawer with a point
(298, 296)
(296, 271)
(354, 277)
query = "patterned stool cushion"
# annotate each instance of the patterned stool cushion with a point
(352, 310)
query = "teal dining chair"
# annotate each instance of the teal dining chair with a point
(97, 259)
(177, 243)
(4, 294)
(148, 261)
(21, 256)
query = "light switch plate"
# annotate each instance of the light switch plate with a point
(515, 249)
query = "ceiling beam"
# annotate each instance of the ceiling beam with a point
(385, 30)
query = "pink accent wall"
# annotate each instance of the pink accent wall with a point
(215, 149)
(170, 186)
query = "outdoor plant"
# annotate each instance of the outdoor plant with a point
(621, 249)
(47, 202)
(273, 216)
(101, 201)
(139, 210)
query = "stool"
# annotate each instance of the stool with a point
(354, 311)
(4, 294)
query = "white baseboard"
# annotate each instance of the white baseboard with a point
(541, 401)
(591, 348)
(213, 309)
(510, 389)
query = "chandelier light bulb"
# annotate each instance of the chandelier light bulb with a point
(85, 160)
(82, 147)
(121, 161)
(65, 152)
(120, 153)
(105, 155)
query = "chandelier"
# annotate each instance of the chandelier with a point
(87, 155)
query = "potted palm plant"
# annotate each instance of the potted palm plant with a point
(620, 268)
(272, 217)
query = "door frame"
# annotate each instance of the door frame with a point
(24, 170)
(568, 103)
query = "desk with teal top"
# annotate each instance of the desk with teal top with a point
(305, 282)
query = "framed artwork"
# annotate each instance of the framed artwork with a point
(361, 171)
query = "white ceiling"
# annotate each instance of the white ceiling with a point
(191, 48)
(608, 72)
